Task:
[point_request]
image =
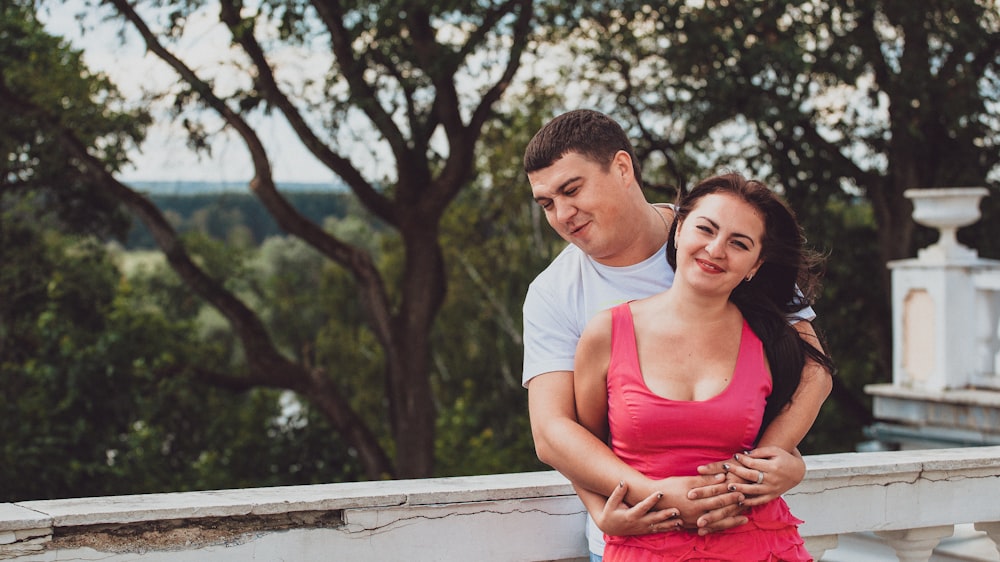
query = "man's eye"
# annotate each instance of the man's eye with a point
(571, 191)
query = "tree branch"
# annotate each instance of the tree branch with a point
(287, 217)
(372, 199)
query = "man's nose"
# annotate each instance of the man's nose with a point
(564, 210)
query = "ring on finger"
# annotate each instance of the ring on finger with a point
(760, 476)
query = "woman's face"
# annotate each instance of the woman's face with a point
(719, 242)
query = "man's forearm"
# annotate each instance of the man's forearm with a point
(588, 462)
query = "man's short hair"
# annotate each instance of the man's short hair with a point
(592, 134)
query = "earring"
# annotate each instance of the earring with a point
(748, 277)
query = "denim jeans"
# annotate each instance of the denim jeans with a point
(595, 557)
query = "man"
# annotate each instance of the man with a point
(583, 172)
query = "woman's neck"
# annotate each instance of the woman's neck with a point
(683, 302)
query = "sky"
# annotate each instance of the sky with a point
(164, 155)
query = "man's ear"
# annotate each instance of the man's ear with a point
(622, 165)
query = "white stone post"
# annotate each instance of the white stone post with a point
(934, 304)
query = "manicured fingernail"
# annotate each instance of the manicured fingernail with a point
(725, 467)
(621, 483)
(737, 457)
(732, 487)
(659, 495)
(739, 504)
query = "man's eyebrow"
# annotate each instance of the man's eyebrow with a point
(561, 188)
(715, 225)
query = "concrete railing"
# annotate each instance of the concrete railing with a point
(910, 498)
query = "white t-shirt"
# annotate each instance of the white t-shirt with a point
(564, 297)
(567, 294)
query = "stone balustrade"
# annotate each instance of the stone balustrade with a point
(911, 499)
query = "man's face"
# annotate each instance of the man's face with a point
(584, 203)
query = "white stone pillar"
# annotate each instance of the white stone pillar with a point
(934, 299)
(934, 323)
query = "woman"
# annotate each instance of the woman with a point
(697, 372)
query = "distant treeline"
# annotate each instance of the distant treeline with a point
(234, 216)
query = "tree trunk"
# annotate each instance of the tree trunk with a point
(411, 404)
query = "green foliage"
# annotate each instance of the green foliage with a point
(98, 400)
(45, 71)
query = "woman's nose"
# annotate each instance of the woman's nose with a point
(715, 248)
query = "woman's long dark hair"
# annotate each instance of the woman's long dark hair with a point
(785, 283)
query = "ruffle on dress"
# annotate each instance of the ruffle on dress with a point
(771, 534)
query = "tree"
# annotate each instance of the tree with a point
(89, 408)
(397, 66)
(842, 105)
(54, 76)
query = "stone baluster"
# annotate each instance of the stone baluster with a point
(987, 307)
(992, 530)
(987, 285)
(916, 545)
(819, 544)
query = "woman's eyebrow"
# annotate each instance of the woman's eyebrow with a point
(715, 225)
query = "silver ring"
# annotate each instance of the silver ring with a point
(760, 476)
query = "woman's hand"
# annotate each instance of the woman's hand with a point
(762, 474)
(617, 518)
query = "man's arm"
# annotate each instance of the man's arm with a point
(614, 517)
(564, 444)
(561, 442)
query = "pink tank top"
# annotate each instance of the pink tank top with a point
(662, 437)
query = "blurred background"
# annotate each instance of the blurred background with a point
(264, 243)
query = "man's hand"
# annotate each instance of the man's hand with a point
(762, 474)
(617, 518)
(707, 512)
